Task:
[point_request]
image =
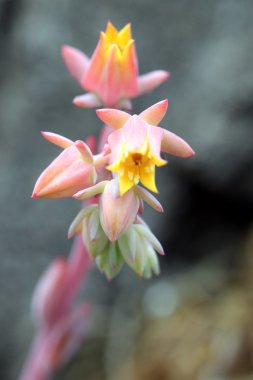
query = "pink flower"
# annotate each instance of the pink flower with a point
(136, 145)
(70, 172)
(111, 75)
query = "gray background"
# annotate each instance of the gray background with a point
(207, 46)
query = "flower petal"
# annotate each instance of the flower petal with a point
(155, 135)
(111, 33)
(125, 181)
(117, 212)
(65, 176)
(84, 151)
(93, 72)
(112, 117)
(129, 71)
(135, 134)
(115, 143)
(87, 101)
(109, 84)
(154, 114)
(149, 198)
(148, 179)
(124, 35)
(173, 144)
(149, 81)
(54, 138)
(76, 62)
(90, 191)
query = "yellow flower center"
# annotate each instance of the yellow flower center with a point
(134, 167)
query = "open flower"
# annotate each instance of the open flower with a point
(111, 75)
(136, 145)
(70, 172)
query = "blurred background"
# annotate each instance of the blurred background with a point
(195, 320)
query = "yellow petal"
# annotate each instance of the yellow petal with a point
(147, 178)
(114, 167)
(124, 35)
(125, 183)
(159, 161)
(111, 33)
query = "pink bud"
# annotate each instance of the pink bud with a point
(117, 212)
(111, 75)
(48, 292)
(67, 174)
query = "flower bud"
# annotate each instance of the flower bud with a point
(70, 172)
(111, 74)
(117, 213)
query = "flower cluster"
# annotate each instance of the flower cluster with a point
(114, 183)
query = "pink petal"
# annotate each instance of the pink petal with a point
(103, 137)
(56, 139)
(115, 143)
(117, 213)
(92, 75)
(154, 114)
(84, 151)
(91, 191)
(149, 198)
(76, 62)
(109, 85)
(87, 101)
(155, 135)
(66, 175)
(129, 71)
(173, 144)
(112, 117)
(135, 133)
(149, 81)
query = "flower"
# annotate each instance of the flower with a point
(136, 145)
(70, 172)
(111, 75)
(133, 156)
